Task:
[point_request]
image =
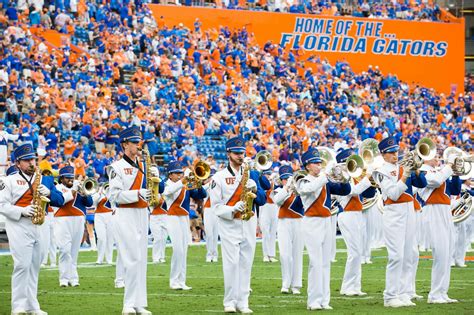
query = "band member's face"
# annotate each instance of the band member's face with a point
(284, 181)
(176, 177)
(433, 163)
(130, 148)
(27, 166)
(314, 168)
(391, 157)
(236, 158)
(68, 182)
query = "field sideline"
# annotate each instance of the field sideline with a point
(97, 294)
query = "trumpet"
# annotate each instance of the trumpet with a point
(88, 187)
(425, 150)
(104, 189)
(295, 179)
(200, 172)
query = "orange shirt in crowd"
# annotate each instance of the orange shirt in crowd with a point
(80, 166)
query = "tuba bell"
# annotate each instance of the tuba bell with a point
(89, 186)
(263, 160)
(200, 172)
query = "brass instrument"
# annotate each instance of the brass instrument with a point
(335, 172)
(463, 163)
(104, 189)
(152, 182)
(334, 206)
(200, 172)
(40, 202)
(463, 209)
(370, 153)
(425, 150)
(367, 203)
(88, 187)
(263, 160)
(296, 178)
(247, 195)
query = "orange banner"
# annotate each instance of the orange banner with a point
(426, 53)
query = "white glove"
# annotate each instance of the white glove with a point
(145, 194)
(76, 185)
(187, 172)
(289, 183)
(406, 171)
(43, 190)
(28, 211)
(239, 206)
(154, 171)
(251, 185)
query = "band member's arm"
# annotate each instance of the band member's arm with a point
(96, 198)
(198, 194)
(57, 199)
(436, 179)
(264, 182)
(161, 187)
(6, 207)
(306, 187)
(341, 189)
(86, 200)
(281, 194)
(360, 187)
(172, 187)
(455, 185)
(390, 188)
(116, 192)
(418, 179)
(369, 192)
(261, 198)
(217, 200)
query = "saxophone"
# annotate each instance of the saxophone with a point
(41, 202)
(247, 195)
(152, 182)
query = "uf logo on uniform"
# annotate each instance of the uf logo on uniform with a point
(20, 182)
(128, 171)
(230, 180)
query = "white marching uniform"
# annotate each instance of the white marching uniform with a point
(333, 236)
(159, 230)
(211, 228)
(26, 241)
(104, 228)
(399, 223)
(268, 217)
(68, 232)
(290, 238)
(351, 226)
(441, 226)
(130, 221)
(49, 249)
(366, 234)
(238, 238)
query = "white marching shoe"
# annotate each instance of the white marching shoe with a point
(128, 311)
(19, 312)
(230, 309)
(450, 300)
(394, 303)
(285, 290)
(38, 312)
(245, 310)
(314, 307)
(296, 291)
(143, 311)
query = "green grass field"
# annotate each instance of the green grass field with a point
(97, 294)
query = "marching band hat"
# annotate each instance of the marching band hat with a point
(131, 134)
(12, 170)
(285, 172)
(236, 145)
(311, 156)
(67, 171)
(342, 156)
(24, 152)
(388, 145)
(175, 167)
(213, 171)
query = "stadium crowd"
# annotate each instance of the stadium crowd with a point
(179, 84)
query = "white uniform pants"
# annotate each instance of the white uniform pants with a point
(49, 247)
(419, 228)
(366, 236)
(376, 231)
(399, 224)
(105, 237)
(68, 232)
(441, 228)
(212, 233)
(160, 234)
(460, 243)
(268, 226)
(317, 235)
(238, 240)
(25, 240)
(119, 270)
(180, 234)
(290, 243)
(333, 236)
(131, 233)
(351, 225)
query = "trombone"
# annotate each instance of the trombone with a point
(200, 172)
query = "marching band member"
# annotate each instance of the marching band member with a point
(210, 225)
(238, 237)
(462, 232)
(158, 219)
(69, 226)
(103, 226)
(25, 238)
(351, 225)
(268, 216)
(178, 198)
(315, 191)
(440, 223)
(399, 223)
(290, 238)
(127, 190)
